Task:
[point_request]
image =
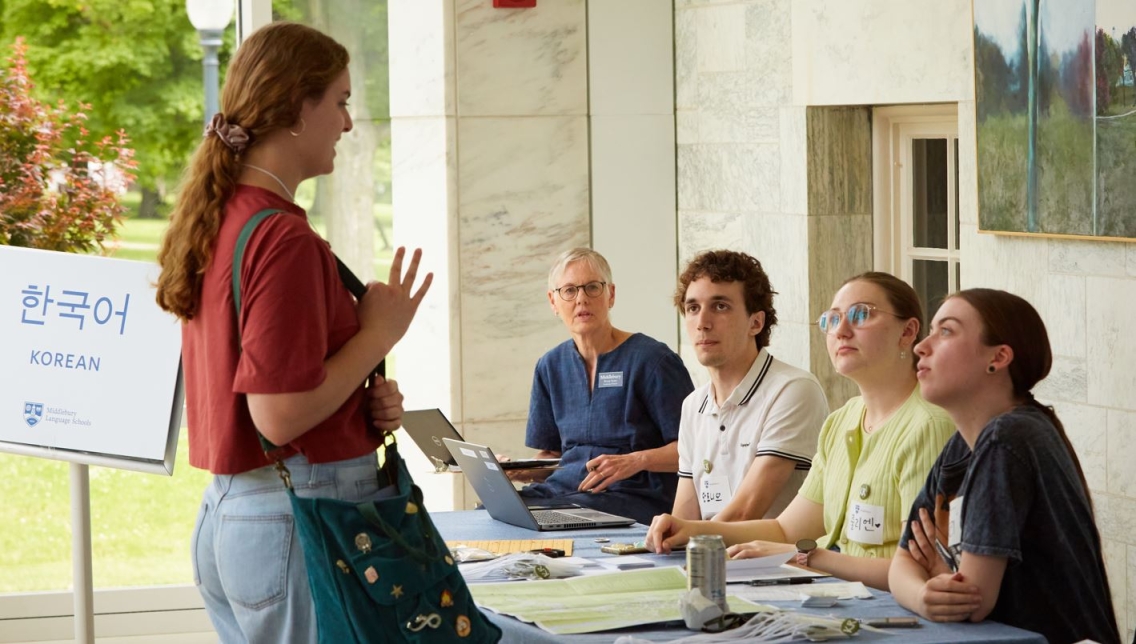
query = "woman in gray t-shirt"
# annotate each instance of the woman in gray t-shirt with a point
(1004, 527)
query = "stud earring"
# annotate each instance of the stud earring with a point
(902, 355)
(991, 368)
(303, 126)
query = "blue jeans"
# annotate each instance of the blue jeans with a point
(247, 560)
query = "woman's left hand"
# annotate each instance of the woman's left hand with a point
(752, 549)
(606, 469)
(386, 404)
(922, 546)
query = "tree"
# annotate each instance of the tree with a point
(57, 188)
(1128, 46)
(137, 63)
(1109, 69)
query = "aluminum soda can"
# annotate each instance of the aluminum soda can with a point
(706, 568)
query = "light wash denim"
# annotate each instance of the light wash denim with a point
(247, 560)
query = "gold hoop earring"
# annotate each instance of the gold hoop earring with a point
(303, 126)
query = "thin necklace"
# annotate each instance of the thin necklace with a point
(291, 197)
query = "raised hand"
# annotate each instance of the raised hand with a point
(386, 310)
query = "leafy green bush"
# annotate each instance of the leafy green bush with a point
(57, 187)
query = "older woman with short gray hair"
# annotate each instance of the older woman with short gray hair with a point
(606, 402)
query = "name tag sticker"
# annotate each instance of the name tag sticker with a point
(610, 379)
(865, 523)
(954, 526)
(713, 494)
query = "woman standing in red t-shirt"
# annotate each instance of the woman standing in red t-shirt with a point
(290, 365)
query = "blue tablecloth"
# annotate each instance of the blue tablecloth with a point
(478, 525)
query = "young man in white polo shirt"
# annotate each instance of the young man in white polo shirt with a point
(747, 437)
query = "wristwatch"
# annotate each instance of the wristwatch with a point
(805, 548)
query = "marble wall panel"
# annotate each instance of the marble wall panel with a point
(721, 34)
(1087, 257)
(1065, 320)
(729, 177)
(727, 113)
(1116, 566)
(633, 216)
(1130, 259)
(1127, 634)
(686, 59)
(1121, 448)
(423, 163)
(794, 161)
(1087, 428)
(1116, 517)
(1067, 380)
(630, 54)
(768, 51)
(841, 55)
(700, 231)
(1111, 353)
(421, 47)
(1013, 264)
(839, 160)
(780, 243)
(521, 62)
(967, 163)
(686, 126)
(523, 198)
(791, 342)
(839, 247)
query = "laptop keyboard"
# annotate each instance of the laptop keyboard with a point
(554, 517)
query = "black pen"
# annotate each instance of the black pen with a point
(781, 581)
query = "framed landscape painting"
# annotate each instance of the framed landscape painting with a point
(1056, 111)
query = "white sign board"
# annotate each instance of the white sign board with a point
(89, 365)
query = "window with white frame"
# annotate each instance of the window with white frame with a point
(915, 179)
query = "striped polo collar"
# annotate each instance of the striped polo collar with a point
(747, 387)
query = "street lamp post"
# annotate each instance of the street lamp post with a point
(210, 18)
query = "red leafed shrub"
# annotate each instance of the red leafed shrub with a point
(57, 187)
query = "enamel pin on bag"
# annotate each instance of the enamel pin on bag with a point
(378, 570)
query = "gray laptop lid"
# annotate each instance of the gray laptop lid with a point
(428, 427)
(503, 503)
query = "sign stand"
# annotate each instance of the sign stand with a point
(81, 554)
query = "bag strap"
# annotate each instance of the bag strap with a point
(349, 279)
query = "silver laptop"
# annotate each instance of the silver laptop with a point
(427, 428)
(500, 498)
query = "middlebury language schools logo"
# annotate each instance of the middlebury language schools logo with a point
(33, 413)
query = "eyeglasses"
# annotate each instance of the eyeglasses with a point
(858, 315)
(591, 289)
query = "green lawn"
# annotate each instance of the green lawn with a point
(140, 524)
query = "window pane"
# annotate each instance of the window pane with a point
(929, 278)
(929, 192)
(956, 142)
(958, 277)
(351, 207)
